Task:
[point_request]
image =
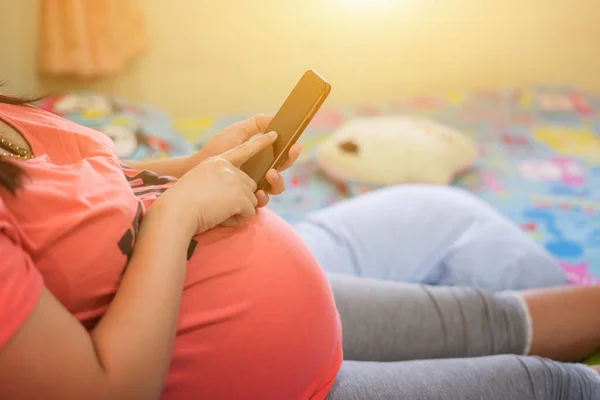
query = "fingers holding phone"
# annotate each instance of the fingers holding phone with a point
(222, 190)
(245, 151)
(291, 120)
(292, 157)
(275, 181)
(216, 192)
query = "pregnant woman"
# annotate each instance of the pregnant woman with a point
(120, 283)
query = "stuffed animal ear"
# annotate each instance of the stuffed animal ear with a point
(382, 151)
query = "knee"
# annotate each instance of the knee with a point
(452, 199)
(496, 257)
(485, 249)
(445, 204)
(447, 196)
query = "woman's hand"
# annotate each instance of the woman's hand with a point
(230, 137)
(238, 133)
(216, 191)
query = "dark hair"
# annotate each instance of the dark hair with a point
(15, 101)
(11, 173)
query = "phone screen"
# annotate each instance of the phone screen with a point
(289, 123)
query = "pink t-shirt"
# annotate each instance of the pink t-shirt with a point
(257, 318)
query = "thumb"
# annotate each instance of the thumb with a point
(245, 151)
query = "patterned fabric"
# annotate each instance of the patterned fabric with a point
(539, 165)
(138, 131)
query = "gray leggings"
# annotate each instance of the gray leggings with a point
(468, 343)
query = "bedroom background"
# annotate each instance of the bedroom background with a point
(520, 79)
(229, 56)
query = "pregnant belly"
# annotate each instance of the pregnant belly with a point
(257, 319)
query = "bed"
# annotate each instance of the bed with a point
(539, 165)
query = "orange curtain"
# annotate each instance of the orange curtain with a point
(89, 38)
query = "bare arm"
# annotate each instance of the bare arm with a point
(565, 321)
(174, 166)
(221, 142)
(127, 355)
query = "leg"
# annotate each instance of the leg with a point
(390, 321)
(491, 378)
(427, 234)
(565, 321)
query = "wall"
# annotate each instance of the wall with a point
(233, 55)
(18, 35)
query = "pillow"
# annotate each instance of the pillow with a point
(382, 151)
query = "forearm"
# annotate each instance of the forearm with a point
(134, 339)
(174, 166)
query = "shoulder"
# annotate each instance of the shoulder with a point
(41, 126)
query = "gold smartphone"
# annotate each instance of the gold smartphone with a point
(290, 121)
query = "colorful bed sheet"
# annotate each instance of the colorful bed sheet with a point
(539, 165)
